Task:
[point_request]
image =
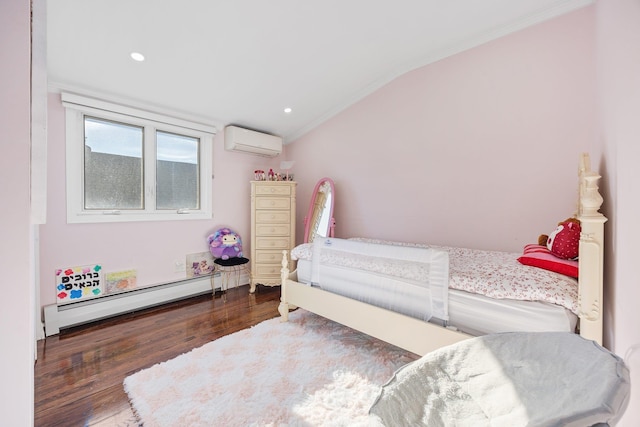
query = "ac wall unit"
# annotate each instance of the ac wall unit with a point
(250, 141)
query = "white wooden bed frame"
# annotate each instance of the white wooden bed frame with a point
(421, 337)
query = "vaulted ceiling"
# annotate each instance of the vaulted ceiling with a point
(245, 61)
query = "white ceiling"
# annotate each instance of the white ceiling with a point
(244, 61)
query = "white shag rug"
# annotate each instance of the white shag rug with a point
(306, 372)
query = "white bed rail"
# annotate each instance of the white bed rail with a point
(406, 332)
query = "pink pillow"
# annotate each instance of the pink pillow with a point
(540, 256)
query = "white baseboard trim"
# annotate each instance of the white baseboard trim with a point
(58, 317)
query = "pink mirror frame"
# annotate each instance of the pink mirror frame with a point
(310, 213)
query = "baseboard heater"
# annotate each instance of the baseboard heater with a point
(57, 317)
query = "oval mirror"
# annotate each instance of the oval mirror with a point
(319, 220)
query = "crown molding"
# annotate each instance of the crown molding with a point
(59, 88)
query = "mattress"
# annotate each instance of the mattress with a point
(479, 315)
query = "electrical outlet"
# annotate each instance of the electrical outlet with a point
(179, 266)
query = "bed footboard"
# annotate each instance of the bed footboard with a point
(283, 308)
(406, 332)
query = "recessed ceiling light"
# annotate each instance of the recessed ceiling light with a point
(288, 110)
(137, 56)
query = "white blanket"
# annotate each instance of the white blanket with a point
(510, 379)
(424, 272)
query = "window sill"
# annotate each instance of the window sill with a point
(111, 216)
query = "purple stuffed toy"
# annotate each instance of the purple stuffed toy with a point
(225, 243)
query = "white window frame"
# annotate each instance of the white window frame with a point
(77, 107)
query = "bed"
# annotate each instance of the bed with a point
(469, 314)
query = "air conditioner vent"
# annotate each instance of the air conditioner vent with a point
(251, 141)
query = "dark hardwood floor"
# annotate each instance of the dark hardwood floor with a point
(79, 373)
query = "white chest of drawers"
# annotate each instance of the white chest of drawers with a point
(273, 229)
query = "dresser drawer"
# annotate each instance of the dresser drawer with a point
(268, 270)
(273, 190)
(273, 217)
(269, 257)
(273, 203)
(273, 229)
(272, 242)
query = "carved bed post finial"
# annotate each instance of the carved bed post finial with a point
(591, 198)
(283, 308)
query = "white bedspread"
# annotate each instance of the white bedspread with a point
(493, 274)
(422, 272)
(499, 275)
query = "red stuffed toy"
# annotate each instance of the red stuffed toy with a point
(563, 241)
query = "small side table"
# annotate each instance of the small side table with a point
(234, 265)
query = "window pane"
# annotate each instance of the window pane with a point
(177, 171)
(113, 167)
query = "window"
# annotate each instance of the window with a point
(125, 164)
(113, 169)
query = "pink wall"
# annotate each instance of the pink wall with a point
(619, 86)
(148, 247)
(16, 312)
(477, 150)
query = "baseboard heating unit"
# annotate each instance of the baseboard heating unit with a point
(58, 317)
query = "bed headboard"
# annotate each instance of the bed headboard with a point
(591, 273)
